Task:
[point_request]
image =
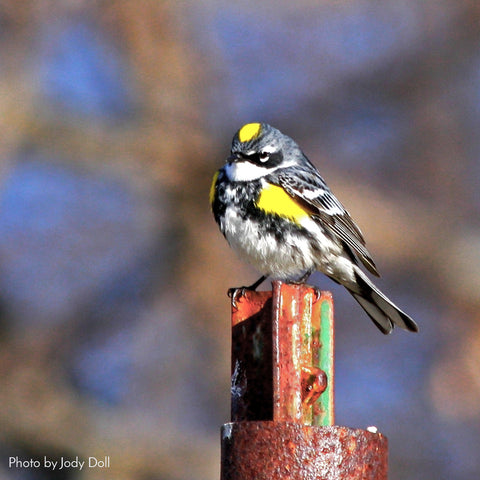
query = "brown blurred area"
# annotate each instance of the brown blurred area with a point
(114, 320)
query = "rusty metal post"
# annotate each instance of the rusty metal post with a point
(282, 409)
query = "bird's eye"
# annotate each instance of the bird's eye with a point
(264, 156)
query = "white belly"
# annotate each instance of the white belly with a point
(286, 259)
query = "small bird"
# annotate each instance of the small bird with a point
(277, 212)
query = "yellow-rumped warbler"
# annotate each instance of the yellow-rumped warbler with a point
(277, 212)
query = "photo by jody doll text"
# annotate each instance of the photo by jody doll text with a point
(59, 463)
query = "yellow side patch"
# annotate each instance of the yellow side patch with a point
(249, 131)
(212, 188)
(277, 201)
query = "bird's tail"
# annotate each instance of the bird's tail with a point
(379, 308)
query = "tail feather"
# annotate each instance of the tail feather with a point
(384, 313)
(373, 311)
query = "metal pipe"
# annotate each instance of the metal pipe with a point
(282, 407)
(280, 451)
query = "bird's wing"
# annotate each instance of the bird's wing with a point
(308, 188)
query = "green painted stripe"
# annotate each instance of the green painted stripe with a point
(326, 363)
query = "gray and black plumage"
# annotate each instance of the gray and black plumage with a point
(277, 212)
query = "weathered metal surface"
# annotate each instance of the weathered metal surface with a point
(282, 355)
(251, 382)
(283, 395)
(290, 451)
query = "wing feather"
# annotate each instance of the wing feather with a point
(307, 186)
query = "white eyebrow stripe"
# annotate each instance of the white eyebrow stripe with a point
(269, 149)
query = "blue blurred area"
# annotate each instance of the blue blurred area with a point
(363, 131)
(102, 368)
(81, 72)
(63, 235)
(74, 244)
(275, 60)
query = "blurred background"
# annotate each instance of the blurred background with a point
(114, 319)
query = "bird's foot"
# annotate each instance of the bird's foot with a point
(302, 281)
(237, 292)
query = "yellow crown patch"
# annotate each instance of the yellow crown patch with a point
(249, 131)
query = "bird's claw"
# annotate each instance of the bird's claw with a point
(235, 292)
(318, 294)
